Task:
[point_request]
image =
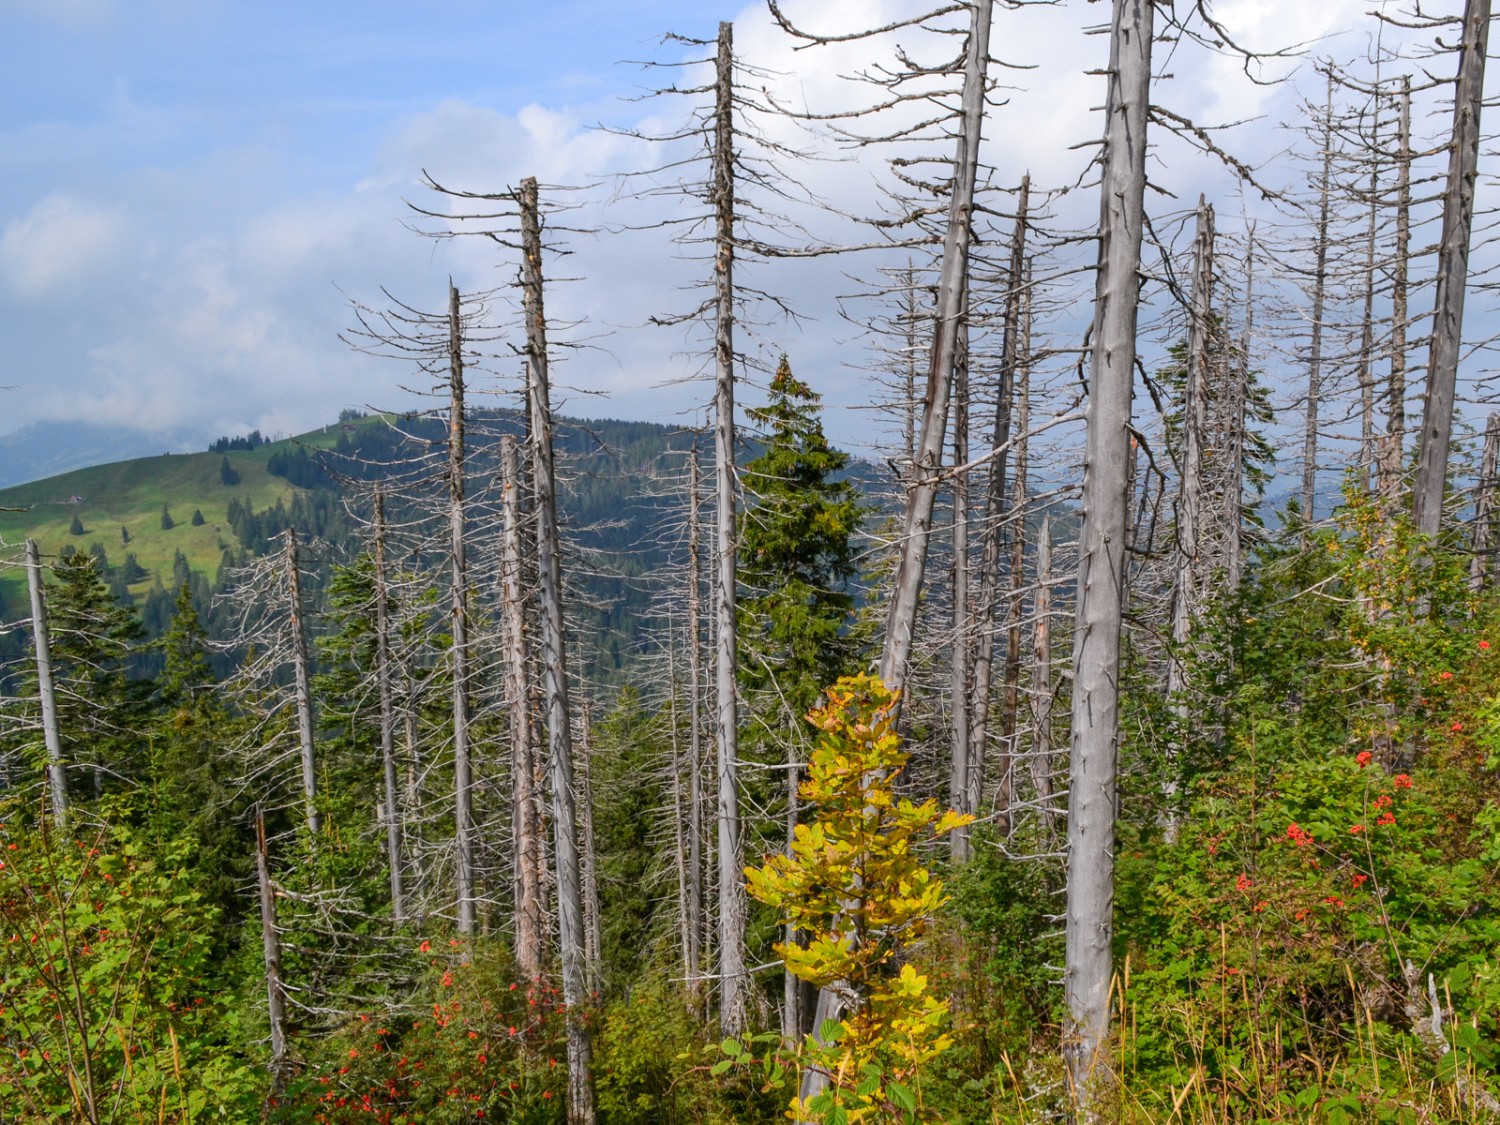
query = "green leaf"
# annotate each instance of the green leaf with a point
(830, 1031)
(1467, 1037)
(732, 1048)
(720, 1067)
(902, 1097)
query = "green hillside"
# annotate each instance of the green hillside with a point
(129, 495)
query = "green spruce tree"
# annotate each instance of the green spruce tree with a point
(798, 538)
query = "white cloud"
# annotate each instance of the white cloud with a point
(63, 243)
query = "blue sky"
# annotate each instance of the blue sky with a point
(192, 190)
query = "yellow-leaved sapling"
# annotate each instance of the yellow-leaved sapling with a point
(855, 885)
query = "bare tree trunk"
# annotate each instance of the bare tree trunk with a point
(791, 986)
(1236, 407)
(994, 527)
(680, 806)
(525, 810)
(1453, 273)
(1101, 558)
(1369, 455)
(392, 809)
(589, 866)
(302, 687)
(962, 703)
(1484, 507)
(1010, 725)
(1315, 349)
(41, 638)
(1391, 466)
(1041, 681)
(695, 733)
(912, 315)
(732, 905)
(411, 695)
(901, 617)
(1186, 595)
(463, 774)
(572, 939)
(952, 296)
(270, 939)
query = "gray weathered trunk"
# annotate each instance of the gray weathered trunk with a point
(270, 942)
(392, 810)
(1010, 707)
(1187, 592)
(791, 986)
(1101, 556)
(41, 639)
(1391, 467)
(1453, 273)
(593, 927)
(732, 905)
(1369, 452)
(572, 940)
(1484, 507)
(1234, 446)
(901, 617)
(463, 772)
(964, 704)
(695, 730)
(680, 806)
(1041, 681)
(1315, 347)
(900, 622)
(526, 813)
(994, 523)
(301, 686)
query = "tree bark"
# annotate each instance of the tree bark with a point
(1102, 561)
(963, 703)
(1391, 467)
(1484, 507)
(41, 639)
(1239, 371)
(1186, 592)
(302, 687)
(589, 865)
(680, 806)
(1369, 453)
(1453, 272)
(270, 939)
(571, 935)
(1041, 681)
(900, 622)
(695, 732)
(392, 809)
(994, 523)
(1315, 348)
(463, 773)
(530, 864)
(732, 905)
(1010, 707)
(953, 284)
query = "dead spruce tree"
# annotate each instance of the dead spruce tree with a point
(1438, 400)
(735, 167)
(1101, 555)
(41, 643)
(527, 790)
(440, 346)
(572, 940)
(265, 598)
